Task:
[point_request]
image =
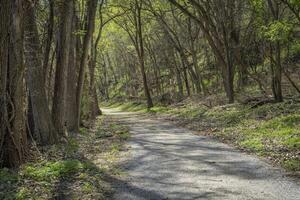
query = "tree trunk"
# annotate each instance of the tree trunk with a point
(276, 70)
(94, 109)
(275, 63)
(227, 77)
(179, 84)
(43, 126)
(49, 39)
(13, 143)
(91, 10)
(142, 55)
(60, 87)
(72, 79)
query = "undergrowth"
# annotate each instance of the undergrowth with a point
(78, 169)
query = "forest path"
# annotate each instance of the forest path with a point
(167, 162)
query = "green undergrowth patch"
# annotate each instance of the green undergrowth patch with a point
(136, 107)
(292, 164)
(53, 170)
(77, 169)
(128, 106)
(271, 130)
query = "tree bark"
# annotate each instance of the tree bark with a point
(13, 143)
(91, 10)
(142, 54)
(49, 39)
(94, 109)
(60, 87)
(43, 127)
(73, 70)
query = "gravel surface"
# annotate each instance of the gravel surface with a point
(166, 162)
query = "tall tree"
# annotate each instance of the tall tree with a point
(60, 88)
(90, 26)
(73, 70)
(13, 138)
(43, 127)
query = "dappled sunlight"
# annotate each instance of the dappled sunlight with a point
(180, 165)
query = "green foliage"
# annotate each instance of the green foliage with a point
(292, 164)
(258, 5)
(87, 187)
(254, 144)
(115, 148)
(72, 146)
(123, 134)
(295, 48)
(295, 3)
(277, 31)
(24, 193)
(83, 131)
(51, 170)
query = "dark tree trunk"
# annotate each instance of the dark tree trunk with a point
(60, 87)
(73, 70)
(276, 70)
(142, 54)
(49, 39)
(179, 83)
(43, 127)
(275, 63)
(13, 143)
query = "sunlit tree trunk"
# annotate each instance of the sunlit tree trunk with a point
(91, 12)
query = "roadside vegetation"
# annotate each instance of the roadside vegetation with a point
(80, 168)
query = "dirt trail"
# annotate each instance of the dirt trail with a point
(167, 162)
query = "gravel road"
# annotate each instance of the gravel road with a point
(166, 162)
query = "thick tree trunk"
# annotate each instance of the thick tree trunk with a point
(13, 143)
(60, 87)
(43, 127)
(94, 109)
(227, 77)
(72, 78)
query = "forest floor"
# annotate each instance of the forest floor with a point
(168, 162)
(270, 131)
(82, 168)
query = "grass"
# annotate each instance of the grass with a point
(51, 170)
(136, 107)
(270, 130)
(292, 164)
(75, 170)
